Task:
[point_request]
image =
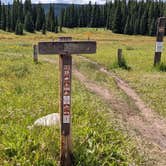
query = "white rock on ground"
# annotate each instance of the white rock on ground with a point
(49, 120)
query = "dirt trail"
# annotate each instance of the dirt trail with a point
(157, 125)
(147, 123)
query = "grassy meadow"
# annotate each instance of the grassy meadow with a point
(29, 91)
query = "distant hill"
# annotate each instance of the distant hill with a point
(58, 7)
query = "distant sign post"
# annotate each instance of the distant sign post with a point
(35, 56)
(65, 47)
(159, 41)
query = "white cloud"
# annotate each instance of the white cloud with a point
(62, 1)
(70, 1)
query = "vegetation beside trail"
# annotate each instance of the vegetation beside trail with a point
(149, 82)
(29, 91)
(138, 51)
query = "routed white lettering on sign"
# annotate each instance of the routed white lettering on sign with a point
(159, 46)
(66, 100)
(66, 118)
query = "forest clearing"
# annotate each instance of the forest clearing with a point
(118, 114)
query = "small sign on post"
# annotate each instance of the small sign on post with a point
(65, 47)
(159, 40)
(35, 54)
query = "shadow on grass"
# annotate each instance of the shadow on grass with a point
(161, 67)
(122, 64)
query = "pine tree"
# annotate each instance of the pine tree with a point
(19, 28)
(150, 16)
(102, 16)
(94, 19)
(56, 25)
(81, 21)
(127, 26)
(28, 23)
(65, 18)
(61, 19)
(8, 18)
(15, 14)
(0, 12)
(136, 27)
(89, 14)
(116, 25)
(27, 7)
(44, 29)
(20, 12)
(40, 17)
(132, 23)
(51, 19)
(143, 25)
(3, 17)
(109, 16)
(13, 17)
(152, 31)
(34, 14)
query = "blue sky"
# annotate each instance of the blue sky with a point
(62, 1)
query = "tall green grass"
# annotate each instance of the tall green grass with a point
(161, 67)
(29, 91)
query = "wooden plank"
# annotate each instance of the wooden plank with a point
(159, 39)
(67, 47)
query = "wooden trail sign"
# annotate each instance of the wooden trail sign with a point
(65, 47)
(159, 40)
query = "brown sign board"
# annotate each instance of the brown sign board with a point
(67, 47)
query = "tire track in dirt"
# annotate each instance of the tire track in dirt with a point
(147, 123)
(155, 132)
(154, 122)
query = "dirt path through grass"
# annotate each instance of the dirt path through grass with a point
(149, 115)
(146, 122)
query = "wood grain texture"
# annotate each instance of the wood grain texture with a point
(66, 155)
(67, 47)
(66, 60)
(119, 56)
(161, 28)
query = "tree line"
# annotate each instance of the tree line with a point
(120, 16)
(25, 16)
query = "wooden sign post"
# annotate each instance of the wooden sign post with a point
(65, 63)
(35, 54)
(65, 47)
(119, 56)
(159, 41)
